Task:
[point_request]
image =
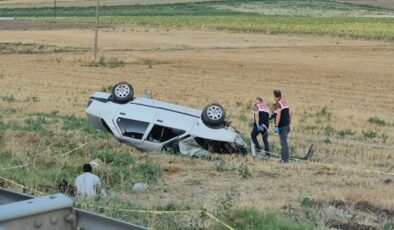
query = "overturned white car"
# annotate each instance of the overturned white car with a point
(158, 126)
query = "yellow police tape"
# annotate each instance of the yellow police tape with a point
(12, 182)
(343, 167)
(79, 147)
(15, 167)
(169, 212)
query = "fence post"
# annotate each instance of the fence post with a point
(97, 28)
(54, 8)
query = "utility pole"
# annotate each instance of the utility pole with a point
(54, 7)
(97, 28)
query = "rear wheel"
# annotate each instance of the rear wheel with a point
(213, 115)
(122, 92)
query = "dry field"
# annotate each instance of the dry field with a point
(353, 79)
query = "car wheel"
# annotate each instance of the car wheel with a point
(122, 92)
(213, 115)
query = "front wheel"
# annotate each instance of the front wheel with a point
(122, 92)
(213, 115)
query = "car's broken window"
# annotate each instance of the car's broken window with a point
(160, 134)
(132, 128)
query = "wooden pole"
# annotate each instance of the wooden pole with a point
(54, 7)
(97, 28)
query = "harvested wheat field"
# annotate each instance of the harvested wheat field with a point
(341, 94)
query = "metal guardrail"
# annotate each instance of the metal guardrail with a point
(21, 211)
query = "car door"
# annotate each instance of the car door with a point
(168, 126)
(160, 135)
(133, 123)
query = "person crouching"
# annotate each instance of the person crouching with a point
(261, 114)
(87, 184)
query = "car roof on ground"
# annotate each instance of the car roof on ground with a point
(167, 106)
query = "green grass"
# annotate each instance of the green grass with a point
(247, 218)
(378, 121)
(43, 138)
(251, 218)
(208, 8)
(270, 16)
(350, 27)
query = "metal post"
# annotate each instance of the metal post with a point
(97, 28)
(54, 8)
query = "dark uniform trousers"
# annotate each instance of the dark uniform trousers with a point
(255, 133)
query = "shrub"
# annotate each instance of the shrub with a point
(377, 121)
(251, 218)
(307, 202)
(369, 134)
(329, 130)
(225, 204)
(221, 166)
(32, 99)
(385, 137)
(9, 98)
(243, 170)
(323, 114)
(345, 133)
(312, 213)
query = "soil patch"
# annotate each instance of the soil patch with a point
(20, 24)
(360, 216)
(31, 48)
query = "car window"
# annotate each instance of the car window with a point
(160, 134)
(132, 128)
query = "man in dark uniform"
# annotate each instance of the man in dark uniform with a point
(261, 114)
(282, 123)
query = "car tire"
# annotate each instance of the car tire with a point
(122, 92)
(213, 115)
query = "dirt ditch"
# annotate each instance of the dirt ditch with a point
(21, 24)
(361, 215)
(32, 48)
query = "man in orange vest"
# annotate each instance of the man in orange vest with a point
(282, 124)
(261, 114)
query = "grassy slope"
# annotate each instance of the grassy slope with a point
(53, 137)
